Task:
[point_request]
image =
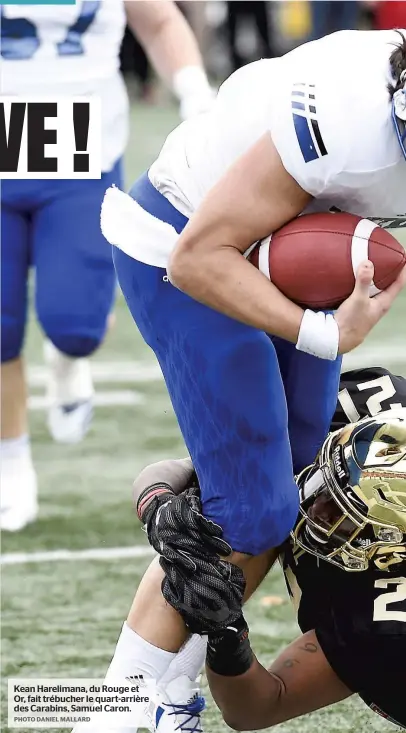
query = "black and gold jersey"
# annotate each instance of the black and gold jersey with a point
(359, 618)
(360, 623)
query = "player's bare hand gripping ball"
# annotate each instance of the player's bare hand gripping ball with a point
(360, 313)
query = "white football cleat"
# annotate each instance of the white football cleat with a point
(70, 423)
(94, 726)
(178, 707)
(70, 395)
(19, 495)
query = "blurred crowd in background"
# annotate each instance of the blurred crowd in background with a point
(231, 34)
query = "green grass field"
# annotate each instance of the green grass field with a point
(61, 618)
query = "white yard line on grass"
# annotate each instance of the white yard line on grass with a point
(101, 399)
(105, 553)
(128, 372)
(107, 372)
(123, 372)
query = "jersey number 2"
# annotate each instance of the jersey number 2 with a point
(19, 37)
(381, 610)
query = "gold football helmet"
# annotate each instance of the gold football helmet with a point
(353, 498)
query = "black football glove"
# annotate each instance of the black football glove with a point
(206, 590)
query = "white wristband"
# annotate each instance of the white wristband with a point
(193, 90)
(319, 335)
(190, 80)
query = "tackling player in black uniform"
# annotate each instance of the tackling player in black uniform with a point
(345, 568)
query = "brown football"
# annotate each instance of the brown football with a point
(313, 259)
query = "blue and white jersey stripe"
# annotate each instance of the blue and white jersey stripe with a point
(304, 113)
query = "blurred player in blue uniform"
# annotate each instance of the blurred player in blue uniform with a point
(53, 226)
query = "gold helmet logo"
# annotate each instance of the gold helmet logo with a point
(353, 499)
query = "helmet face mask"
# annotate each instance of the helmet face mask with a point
(353, 499)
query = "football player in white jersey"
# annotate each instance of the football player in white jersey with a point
(247, 369)
(54, 225)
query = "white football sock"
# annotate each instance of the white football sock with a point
(16, 449)
(134, 655)
(189, 660)
(70, 380)
(18, 496)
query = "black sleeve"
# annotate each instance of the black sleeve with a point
(366, 392)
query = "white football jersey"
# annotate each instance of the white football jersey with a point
(327, 108)
(66, 49)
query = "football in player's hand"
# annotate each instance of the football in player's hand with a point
(312, 260)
